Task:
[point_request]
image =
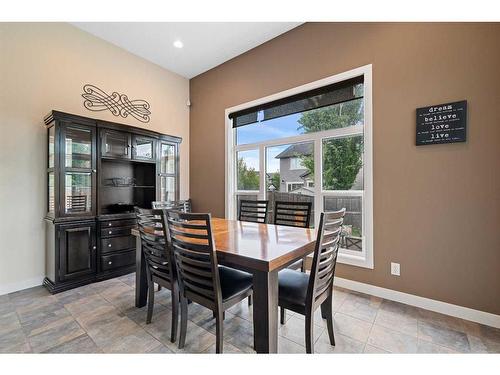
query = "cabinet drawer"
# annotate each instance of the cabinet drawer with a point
(117, 243)
(109, 262)
(113, 232)
(117, 223)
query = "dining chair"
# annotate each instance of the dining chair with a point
(253, 211)
(186, 205)
(293, 214)
(304, 293)
(201, 279)
(160, 264)
(182, 205)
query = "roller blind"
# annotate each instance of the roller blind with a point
(336, 93)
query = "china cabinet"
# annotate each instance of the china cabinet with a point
(97, 172)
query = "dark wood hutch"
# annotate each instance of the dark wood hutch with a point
(97, 172)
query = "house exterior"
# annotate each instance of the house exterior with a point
(295, 177)
(293, 174)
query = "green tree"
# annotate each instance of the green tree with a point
(248, 177)
(275, 180)
(342, 157)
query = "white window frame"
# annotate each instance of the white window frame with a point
(355, 258)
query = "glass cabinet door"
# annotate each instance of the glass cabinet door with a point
(115, 144)
(78, 174)
(78, 148)
(51, 168)
(78, 193)
(51, 193)
(51, 148)
(167, 158)
(143, 148)
(167, 189)
(168, 175)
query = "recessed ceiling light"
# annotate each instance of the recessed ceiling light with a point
(178, 44)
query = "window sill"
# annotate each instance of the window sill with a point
(355, 260)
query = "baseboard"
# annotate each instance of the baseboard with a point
(20, 285)
(422, 302)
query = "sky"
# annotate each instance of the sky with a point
(280, 127)
(263, 131)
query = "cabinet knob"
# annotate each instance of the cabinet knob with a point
(109, 224)
(94, 247)
(109, 245)
(110, 262)
(110, 232)
(94, 170)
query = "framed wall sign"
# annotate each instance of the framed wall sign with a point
(442, 123)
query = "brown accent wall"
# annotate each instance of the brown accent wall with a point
(436, 208)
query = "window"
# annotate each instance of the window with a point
(292, 186)
(311, 143)
(248, 175)
(296, 163)
(285, 183)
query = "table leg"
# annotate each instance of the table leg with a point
(265, 311)
(141, 282)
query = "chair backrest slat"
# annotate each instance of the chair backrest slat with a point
(191, 239)
(325, 255)
(76, 203)
(253, 211)
(182, 205)
(292, 214)
(152, 230)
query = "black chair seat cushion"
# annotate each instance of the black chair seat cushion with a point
(293, 286)
(233, 282)
(296, 266)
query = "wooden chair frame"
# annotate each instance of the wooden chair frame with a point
(160, 264)
(320, 287)
(193, 245)
(285, 211)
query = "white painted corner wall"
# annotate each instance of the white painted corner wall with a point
(21, 285)
(44, 67)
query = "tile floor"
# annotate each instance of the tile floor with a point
(102, 318)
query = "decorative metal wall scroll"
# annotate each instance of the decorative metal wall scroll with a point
(118, 104)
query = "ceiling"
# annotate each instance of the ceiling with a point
(206, 44)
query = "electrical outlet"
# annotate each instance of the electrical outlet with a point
(395, 269)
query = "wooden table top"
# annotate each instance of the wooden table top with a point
(263, 247)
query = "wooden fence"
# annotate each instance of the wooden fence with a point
(352, 205)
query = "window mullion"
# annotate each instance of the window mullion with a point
(262, 172)
(318, 168)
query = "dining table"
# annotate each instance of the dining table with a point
(260, 249)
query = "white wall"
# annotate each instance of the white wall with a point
(44, 67)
